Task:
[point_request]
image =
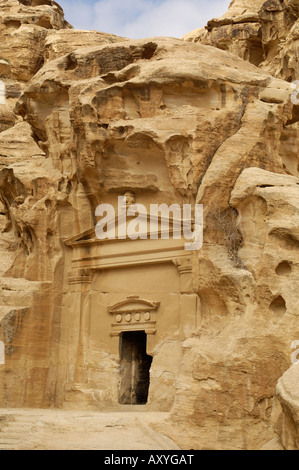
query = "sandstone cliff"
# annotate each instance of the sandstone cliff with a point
(87, 116)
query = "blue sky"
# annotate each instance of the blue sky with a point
(142, 18)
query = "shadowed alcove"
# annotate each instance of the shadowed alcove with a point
(135, 365)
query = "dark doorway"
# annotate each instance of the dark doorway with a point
(134, 368)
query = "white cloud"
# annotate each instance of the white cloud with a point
(142, 18)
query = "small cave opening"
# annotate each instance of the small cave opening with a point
(256, 53)
(36, 3)
(278, 305)
(13, 24)
(149, 50)
(283, 269)
(135, 366)
(71, 62)
(48, 203)
(44, 22)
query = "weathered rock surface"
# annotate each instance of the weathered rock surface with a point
(90, 116)
(255, 31)
(23, 30)
(285, 415)
(265, 33)
(61, 430)
(59, 43)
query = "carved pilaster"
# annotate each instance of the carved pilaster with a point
(184, 266)
(189, 300)
(79, 308)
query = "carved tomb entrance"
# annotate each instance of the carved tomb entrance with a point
(134, 368)
(130, 307)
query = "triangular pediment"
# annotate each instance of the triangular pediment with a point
(118, 228)
(86, 236)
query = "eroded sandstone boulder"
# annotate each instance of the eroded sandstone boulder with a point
(59, 43)
(265, 34)
(254, 30)
(286, 411)
(249, 320)
(23, 30)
